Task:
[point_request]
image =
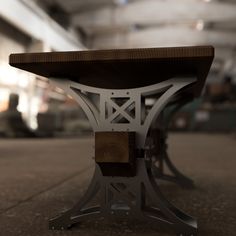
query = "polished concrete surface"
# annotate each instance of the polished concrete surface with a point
(40, 178)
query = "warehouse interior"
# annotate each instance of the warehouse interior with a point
(47, 143)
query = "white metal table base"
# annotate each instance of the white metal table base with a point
(138, 196)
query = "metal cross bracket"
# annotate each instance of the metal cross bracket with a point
(138, 196)
(106, 113)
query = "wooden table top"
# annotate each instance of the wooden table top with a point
(120, 68)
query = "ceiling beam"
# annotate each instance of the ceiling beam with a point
(77, 6)
(31, 20)
(152, 12)
(166, 36)
(169, 37)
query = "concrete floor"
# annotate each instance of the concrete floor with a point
(40, 178)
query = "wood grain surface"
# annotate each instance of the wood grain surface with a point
(120, 68)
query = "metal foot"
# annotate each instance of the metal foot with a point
(67, 219)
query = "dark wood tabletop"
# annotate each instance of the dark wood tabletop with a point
(120, 68)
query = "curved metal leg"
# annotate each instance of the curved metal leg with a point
(164, 212)
(79, 211)
(158, 151)
(161, 162)
(183, 180)
(176, 177)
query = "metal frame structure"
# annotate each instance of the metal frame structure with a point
(138, 196)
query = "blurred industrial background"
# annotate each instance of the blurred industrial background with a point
(57, 25)
(38, 177)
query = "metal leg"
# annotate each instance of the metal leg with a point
(176, 177)
(158, 150)
(163, 211)
(79, 211)
(161, 161)
(138, 196)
